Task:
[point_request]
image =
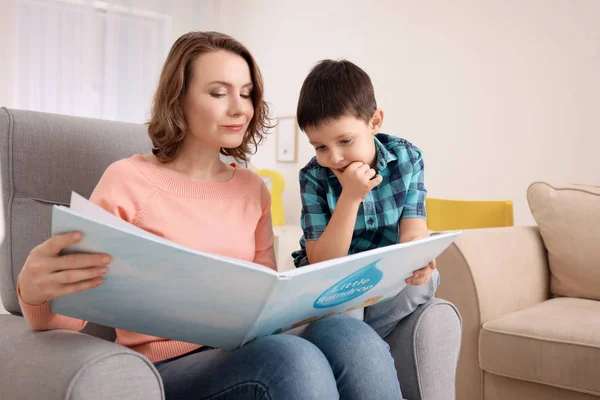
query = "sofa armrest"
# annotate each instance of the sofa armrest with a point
(495, 270)
(488, 273)
(64, 365)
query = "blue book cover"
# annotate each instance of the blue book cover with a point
(159, 288)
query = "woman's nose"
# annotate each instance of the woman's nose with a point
(235, 106)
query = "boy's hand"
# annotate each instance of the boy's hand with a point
(421, 276)
(357, 180)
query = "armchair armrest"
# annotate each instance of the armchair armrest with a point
(61, 365)
(425, 346)
(488, 273)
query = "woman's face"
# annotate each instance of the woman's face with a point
(218, 104)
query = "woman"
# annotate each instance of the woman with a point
(209, 102)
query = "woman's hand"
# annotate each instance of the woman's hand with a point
(47, 275)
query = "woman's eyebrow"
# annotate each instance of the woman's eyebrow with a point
(228, 84)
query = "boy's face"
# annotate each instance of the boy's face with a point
(342, 141)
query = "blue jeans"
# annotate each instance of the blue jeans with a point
(338, 357)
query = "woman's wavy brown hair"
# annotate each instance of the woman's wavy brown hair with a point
(167, 127)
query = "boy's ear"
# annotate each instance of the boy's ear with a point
(376, 121)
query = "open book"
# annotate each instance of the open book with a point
(160, 288)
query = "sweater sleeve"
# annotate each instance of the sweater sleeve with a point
(117, 191)
(112, 194)
(264, 246)
(40, 318)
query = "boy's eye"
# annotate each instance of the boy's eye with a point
(320, 148)
(346, 141)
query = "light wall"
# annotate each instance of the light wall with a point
(8, 57)
(192, 15)
(497, 94)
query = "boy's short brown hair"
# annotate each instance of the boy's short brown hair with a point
(334, 89)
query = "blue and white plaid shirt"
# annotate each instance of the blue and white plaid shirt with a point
(401, 194)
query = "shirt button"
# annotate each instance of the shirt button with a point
(371, 221)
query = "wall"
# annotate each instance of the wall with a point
(497, 94)
(192, 15)
(8, 65)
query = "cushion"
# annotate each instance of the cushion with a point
(556, 343)
(569, 222)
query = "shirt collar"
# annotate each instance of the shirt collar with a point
(384, 156)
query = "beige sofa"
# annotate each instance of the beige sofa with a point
(530, 301)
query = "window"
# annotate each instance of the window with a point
(89, 58)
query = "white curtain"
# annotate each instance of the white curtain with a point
(89, 58)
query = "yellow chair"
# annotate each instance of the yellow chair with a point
(275, 184)
(446, 215)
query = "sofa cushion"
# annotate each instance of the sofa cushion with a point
(556, 343)
(569, 222)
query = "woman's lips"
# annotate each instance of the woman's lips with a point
(234, 128)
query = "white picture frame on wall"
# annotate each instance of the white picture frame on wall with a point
(287, 140)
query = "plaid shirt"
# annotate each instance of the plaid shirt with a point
(401, 194)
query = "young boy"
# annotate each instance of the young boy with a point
(363, 189)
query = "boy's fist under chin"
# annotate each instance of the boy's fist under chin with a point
(357, 180)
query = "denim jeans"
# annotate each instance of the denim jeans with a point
(335, 358)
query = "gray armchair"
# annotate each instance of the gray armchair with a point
(45, 156)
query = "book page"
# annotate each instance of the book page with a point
(160, 289)
(85, 207)
(273, 302)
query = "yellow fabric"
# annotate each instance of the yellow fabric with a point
(445, 215)
(275, 184)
